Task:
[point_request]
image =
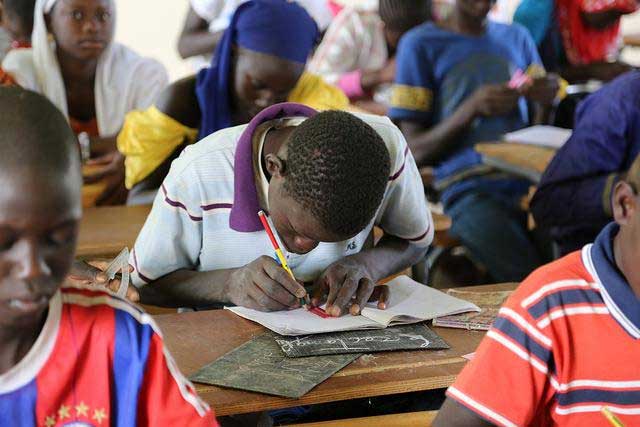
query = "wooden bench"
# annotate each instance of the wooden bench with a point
(410, 419)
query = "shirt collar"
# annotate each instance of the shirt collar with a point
(620, 299)
(244, 213)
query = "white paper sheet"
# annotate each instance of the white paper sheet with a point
(541, 135)
(410, 302)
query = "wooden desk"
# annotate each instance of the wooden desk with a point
(198, 338)
(528, 161)
(104, 231)
(632, 40)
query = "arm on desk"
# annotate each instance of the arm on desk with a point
(357, 275)
(453, 414)
(196, 39)
(261, 285)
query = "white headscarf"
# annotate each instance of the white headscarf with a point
(124, 80)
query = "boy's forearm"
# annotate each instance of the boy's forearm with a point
(431, 145)
(198, 43)
(390, 256)
(188, 288)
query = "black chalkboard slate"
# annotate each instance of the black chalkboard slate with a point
(406, 337)
(259, 365)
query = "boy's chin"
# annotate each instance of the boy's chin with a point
(21, 314)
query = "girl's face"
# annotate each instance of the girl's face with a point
(261, 80)
(82, 28)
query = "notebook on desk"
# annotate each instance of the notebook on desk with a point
(410, 302)
(540, 135)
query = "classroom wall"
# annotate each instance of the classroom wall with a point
(152, 27)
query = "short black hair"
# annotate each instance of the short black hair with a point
(22, 10)
(402, 15)
(338, 169)
(35, 136)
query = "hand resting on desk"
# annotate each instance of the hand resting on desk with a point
(348, 286)
(92, 274)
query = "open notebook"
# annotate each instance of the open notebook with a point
(410, 302)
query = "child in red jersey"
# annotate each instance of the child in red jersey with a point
(69, 356)
(567, 342)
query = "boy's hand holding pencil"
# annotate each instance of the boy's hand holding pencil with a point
(264, 285)
(267, 284)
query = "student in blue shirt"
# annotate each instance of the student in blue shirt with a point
(573, 199)
(452, 92)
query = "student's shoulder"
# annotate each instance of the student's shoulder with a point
(352, 16)
(623, 89)
(390, 134)
(133, 60)
(100, 305)
(19, 63)
(510, 32)
(424, 36)
(567, 271)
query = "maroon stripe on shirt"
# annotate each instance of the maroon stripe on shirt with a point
(217, 206)
(177, 204)
(404, 160)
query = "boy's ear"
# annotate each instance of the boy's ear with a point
(623, 203)
(276, 166)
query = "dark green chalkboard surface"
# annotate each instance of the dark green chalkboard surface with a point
(260, 365)
(407, 337)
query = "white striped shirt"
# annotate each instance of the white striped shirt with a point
(189, 226)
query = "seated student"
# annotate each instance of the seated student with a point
(567, 342)
(17, 20)
(578, 38)
(207, 20)
(325, 179)
(91, 79)
(358, 51)
(573, 199)
(68, 356)
(259, 62)
(452, 92)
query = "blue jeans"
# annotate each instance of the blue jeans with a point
(495, 234)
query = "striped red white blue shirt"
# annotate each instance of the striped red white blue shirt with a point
(564, 345)
(98, 361)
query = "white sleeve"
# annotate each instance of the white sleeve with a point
(151, 79)
(404, 212)
(171, 238)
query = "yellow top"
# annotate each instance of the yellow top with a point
(149, 137)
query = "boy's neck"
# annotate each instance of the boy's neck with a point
(15, 343)
(75, 70)
(466, 24)
(626, 259)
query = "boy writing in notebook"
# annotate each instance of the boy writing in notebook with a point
(567, 342)
(71, 355)
(324, 178)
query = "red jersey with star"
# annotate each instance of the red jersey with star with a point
(99, 361)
